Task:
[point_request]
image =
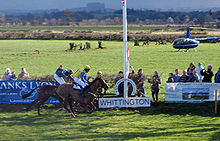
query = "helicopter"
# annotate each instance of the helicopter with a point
(188, 43)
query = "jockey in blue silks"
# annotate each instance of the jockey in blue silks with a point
(61, 73)
(81, 77)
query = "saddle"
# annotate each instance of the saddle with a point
(76, 87)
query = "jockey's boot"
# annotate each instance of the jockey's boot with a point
(82, 93)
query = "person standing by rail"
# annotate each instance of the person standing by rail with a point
(155, 87)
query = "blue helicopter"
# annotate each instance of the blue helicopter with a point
(187, 43)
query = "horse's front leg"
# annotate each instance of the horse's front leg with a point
(66, 102)
(92, 106)
(71, 107)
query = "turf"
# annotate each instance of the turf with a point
(172, 122)
(160, 122)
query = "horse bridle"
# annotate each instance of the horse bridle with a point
(102, 86)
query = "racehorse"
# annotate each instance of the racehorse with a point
(43, 94)
(69, 95)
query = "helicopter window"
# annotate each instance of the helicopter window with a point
(186, 42)
(179, 42)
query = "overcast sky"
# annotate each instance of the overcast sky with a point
(115, 4)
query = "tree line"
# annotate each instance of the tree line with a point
(68, 17)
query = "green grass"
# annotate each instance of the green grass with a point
(172, 122)
(160, 122)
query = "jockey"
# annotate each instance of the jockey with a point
(61, 73)
(81, 78)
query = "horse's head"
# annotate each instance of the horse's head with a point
(104, 84)
(99, 83)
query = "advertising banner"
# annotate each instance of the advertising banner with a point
(12, 91)
(191, 92)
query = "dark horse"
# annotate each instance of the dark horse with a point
(69, 95)
(43, 94)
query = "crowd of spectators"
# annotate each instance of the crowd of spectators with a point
(193, 74)
(8, 75)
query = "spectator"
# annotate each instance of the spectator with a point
(139, 80)
(195, 73)
(119, 76)
(191, 67)
(155, 87)
(24, 74)
(13, 76)
(121, 86)
(170, 79)
(184, 77)
(217, 76)
(140, 83)
(99, 74)
(200, 67)
(207, 74)
(176, 76)
(7, 74)
(132, 69)
(99, 91)
(191, 76)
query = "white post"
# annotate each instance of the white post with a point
(216, 101)
(126, 61)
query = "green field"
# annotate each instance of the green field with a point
(160, 122)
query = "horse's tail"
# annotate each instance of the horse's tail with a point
(29, 94)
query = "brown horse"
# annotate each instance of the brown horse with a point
(43, 94)
(69, 95)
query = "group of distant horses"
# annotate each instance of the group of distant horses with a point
(68, 96)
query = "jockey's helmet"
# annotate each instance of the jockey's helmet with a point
(99, 72)
(87, 67)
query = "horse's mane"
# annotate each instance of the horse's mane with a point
(94, 81)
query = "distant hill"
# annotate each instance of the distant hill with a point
(90, 7)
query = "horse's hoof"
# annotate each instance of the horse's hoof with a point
(73, 116)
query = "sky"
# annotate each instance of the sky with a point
(114, 4)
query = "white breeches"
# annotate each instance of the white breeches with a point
(60, 80)
(80, 82)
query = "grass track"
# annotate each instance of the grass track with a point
(162, 122)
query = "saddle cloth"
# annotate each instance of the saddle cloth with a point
(76, 87)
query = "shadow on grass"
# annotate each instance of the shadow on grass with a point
(215, 137)
(199, 109)
(173, 51)
(87, 129)
(12, 108)
(90, 133)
